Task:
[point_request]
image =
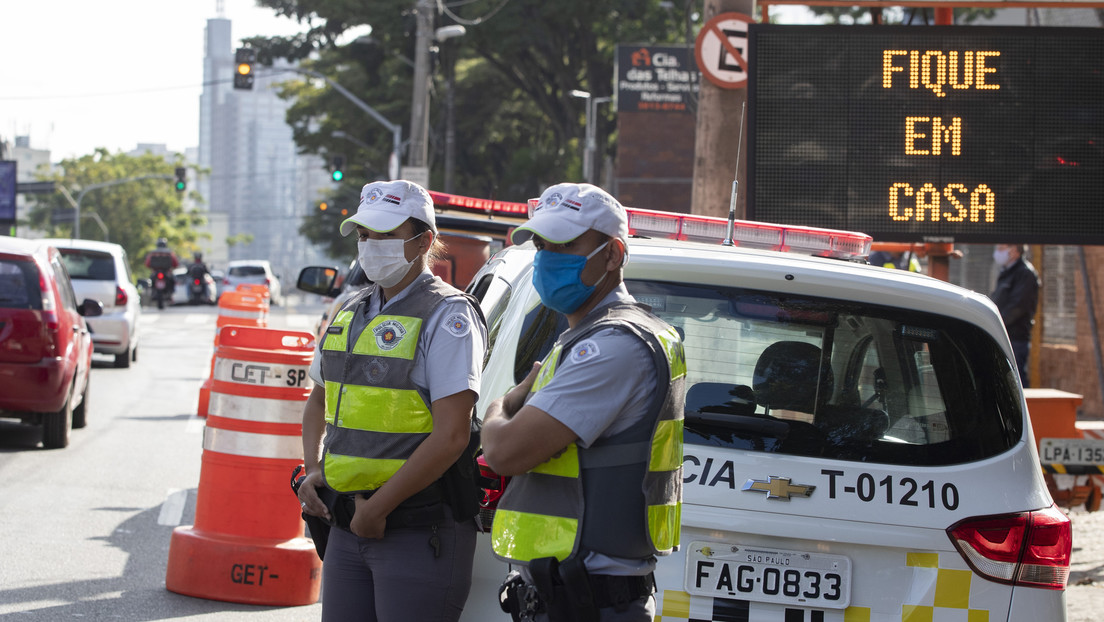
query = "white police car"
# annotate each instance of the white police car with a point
(857, 445)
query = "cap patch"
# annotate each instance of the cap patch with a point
(575, 205)
(373, 196)
(584, 351)
(390, 198)
(388, 334)
(457, 324)
(551, 200)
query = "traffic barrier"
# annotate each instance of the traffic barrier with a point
(242, 309)
(255, 288)
(247, 543)
(1070, 450)
(237, 308)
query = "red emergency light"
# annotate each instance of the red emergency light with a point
(443, 200)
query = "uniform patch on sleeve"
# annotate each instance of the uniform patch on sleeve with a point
(457, 324)
(584, 351)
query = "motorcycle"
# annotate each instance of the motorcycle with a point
(199, 282)
(163, 286)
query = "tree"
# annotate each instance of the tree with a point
(135, 214)
(518, 129)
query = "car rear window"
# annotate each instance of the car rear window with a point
(836, 379)
(827, 378)
(247, 271)
(88, 265)
(19, 287)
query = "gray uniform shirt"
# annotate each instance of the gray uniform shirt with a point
(449, 357)
(602, 386)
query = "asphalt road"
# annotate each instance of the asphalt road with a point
(87, 529)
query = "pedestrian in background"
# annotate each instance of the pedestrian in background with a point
(593, 435)
(895, 259)
(1016, 296)
(396, 379)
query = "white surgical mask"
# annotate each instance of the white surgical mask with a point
(384, 261)
(1001, 256)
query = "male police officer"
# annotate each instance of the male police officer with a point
(593, 435)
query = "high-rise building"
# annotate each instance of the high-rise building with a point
(258, 185)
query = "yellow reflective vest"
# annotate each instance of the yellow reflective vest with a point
(620, 497)
(375, 416)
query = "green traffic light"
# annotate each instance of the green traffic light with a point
(180, 186)
(338, 175)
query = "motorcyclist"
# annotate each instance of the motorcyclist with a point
(162, 260)
(197, 276)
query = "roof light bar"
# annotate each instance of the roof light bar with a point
(443, 200)
(709, 229)
(749, 234)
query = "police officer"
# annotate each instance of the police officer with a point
(397, 375)
(593, 435)
(1016, 295)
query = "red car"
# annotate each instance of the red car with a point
(45, 345)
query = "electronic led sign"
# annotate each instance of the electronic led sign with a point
(929, 133)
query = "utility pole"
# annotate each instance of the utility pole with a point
(417, 158)
(717, 141)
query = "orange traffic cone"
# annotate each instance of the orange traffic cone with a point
(247, 544)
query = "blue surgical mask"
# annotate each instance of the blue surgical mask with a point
(558, 278)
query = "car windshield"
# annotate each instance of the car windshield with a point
(247, 271)
(828, 378)
(88, 265)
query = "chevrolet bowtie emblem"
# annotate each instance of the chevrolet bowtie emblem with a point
(778, 488)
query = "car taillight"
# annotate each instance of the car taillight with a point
(197, 281)
(493, 486)
(1029, 548)
(226, 281)
(50, 322)
(160, 275)
(268, 283)
(120, 297)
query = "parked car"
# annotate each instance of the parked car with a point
(218, 276)
(857, 443)
(100, 270)
(45, 344)
(331, 283)
(258, 271)
(183, 282)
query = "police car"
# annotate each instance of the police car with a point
(857, 445)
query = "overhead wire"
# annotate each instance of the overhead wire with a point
(442, 7)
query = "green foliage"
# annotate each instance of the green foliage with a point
(517, 127)
(134, 213)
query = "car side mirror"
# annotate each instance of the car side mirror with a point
(319, 280)
(90, 308)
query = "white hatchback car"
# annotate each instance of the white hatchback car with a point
(99, 270)
(256, 271)
(857, 444)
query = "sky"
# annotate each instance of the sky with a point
(82, 74)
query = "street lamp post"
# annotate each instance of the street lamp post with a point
(592, 102)
(448, 57)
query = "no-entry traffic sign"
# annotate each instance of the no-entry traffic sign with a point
(722, 51)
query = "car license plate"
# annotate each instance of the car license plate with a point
(1071, 451)
(159, 285)
(766, 575)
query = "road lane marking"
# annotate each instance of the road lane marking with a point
(172, 510)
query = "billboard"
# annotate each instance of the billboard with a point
(656, 78)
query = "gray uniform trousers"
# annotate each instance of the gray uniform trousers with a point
(397, 578)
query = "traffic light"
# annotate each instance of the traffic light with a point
(323, 206)
(181, 181)
(338, 168)
(243, 68)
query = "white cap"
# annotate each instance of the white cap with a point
(385, 205)
(566, 211)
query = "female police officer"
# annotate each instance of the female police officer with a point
(397, 374)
